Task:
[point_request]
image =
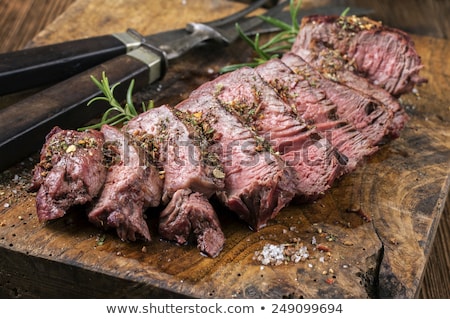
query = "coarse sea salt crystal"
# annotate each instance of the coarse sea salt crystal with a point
(301, 254)
(276, 254)
(272, 254)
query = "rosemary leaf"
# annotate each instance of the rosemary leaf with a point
(294, 9)
(277, 23)
(131, 110)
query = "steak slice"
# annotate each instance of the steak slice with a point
(366, 114)
(191, 213)
(384, 55)
(355, 122)
(130, 188)
(333, 66)
(179, 149)
(245, 94)
(191, 175)
(70, 172)
(257, 183)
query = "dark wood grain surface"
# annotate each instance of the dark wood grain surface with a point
(24, 19)
(21, 20)
(431, 18)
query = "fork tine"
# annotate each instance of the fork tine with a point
(222, 30)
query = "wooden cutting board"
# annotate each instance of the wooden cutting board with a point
(376, 226)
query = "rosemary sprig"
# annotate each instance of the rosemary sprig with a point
(275, 46)
(116, 114)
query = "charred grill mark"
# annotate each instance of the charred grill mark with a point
(315, 136)
(332, 115)
(341, 158)
(370, 107)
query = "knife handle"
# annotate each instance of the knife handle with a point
(26, 123)
(30, 68)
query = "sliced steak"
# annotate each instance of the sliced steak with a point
(366, 114)
(356, 123)
(130, 188)
(384, 55)
(179, 149)
(245, 94)
(257, 183)
(254, 138)
(70, 172)
(191, 175)
(333, 66)
(191, 213)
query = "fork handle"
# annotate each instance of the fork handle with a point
(26, 123)
(34, 67)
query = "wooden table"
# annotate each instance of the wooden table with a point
(402, 252)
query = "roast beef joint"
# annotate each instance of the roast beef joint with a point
(252, 140)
